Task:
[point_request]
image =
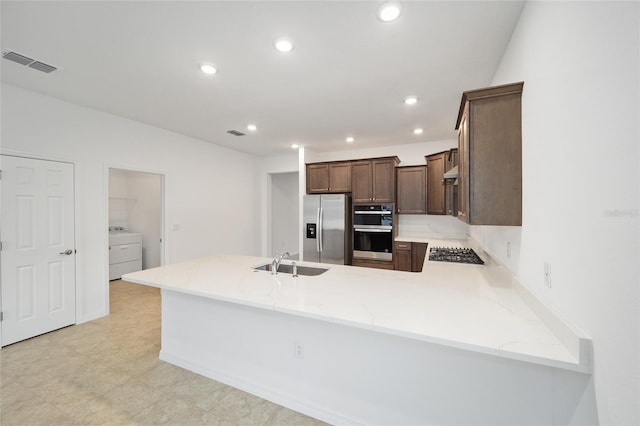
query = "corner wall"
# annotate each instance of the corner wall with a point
(212, 195)
(580, 118)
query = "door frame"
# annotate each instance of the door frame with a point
(163, 217)
(79, 251)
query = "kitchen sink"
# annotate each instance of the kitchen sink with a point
(288, 269)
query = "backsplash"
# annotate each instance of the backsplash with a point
(501, 242)
(432, 226)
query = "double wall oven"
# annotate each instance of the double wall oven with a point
(373, 231)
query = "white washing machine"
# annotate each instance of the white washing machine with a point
(125, 253)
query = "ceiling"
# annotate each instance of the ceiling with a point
(347, 75)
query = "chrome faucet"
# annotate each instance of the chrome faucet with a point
(275, 263)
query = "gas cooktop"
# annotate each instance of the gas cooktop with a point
(454, 254)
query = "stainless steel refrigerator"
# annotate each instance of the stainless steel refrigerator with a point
(327, 229)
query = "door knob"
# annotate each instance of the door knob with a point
(67, 252)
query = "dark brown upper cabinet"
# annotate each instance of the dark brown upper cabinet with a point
(411, 190)
(436, 164)
(334, 177)
(451, 184)
(373, 180)
(490, 156)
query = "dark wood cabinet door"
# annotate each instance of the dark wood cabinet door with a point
(435, 184)
(450, 185)
(361, 182)
(402, 256)
(418, 253)
(490, 156)
(340, 177)
(402, 260)
(317, 178)
(463, 167)
(495, 155)
(383, 172)
(409, 256)
(411, 192)
(451, 159)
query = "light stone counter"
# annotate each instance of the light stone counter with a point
(470, 307)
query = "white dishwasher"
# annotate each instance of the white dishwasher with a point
(125, 253)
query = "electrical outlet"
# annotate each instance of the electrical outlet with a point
(509, 249)
(547, 274)
(298, 350)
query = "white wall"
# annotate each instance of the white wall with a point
(119, 200)
(284, 214)
(580, 65)
(212, 193)
(270, 166)
(409, 154)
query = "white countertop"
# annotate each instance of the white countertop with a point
(464, 306)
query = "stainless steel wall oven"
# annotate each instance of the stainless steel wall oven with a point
(373, 231)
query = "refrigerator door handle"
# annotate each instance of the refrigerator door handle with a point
(320, 230)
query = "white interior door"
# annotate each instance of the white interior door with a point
(38, 247)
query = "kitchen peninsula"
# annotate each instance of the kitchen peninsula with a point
(360, 346)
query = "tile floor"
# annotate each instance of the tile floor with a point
(107, 371)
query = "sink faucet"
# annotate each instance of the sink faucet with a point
(275, 263)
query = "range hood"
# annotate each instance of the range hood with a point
(452, 173)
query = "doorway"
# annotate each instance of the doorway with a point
(136, 208)
(284, 214)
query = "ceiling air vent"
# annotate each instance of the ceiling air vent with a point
(31, 63)
(41, 66)
(235, 133)
(16, 57)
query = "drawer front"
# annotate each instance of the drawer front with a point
(401, 245)
(119, 269)
(125, 238)
(124, 253)
(380, 264)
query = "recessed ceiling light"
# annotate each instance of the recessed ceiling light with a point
(252, 127)
(283, 44)
(389, 11)
(410, 100)
(208, 68)
(295, 146)
(350, 139)
(417, 131)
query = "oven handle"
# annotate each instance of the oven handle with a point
(371, 230)
(379, 212)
